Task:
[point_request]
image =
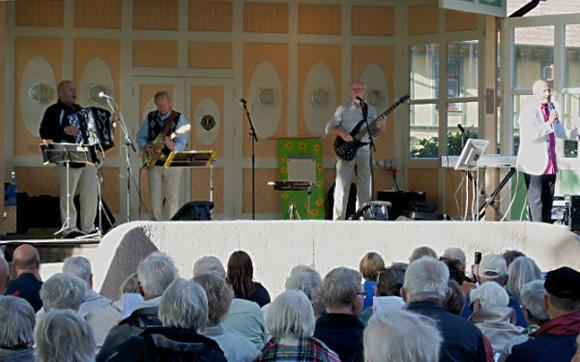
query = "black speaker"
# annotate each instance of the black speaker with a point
(574, 213)
(194, 210)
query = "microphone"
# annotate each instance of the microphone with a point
(461, 129)
(103, 95)
(552, 108)
(243, 101)
(359, 98)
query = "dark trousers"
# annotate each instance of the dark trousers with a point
(540, 196)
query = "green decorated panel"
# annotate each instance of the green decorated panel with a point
(296, 157)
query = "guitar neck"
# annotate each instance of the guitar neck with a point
(373, 125)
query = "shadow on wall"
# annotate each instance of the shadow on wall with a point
(134, 247)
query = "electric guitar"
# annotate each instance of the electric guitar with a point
(347, 150)
(158, 143)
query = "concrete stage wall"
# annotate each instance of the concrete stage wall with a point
(276, 246)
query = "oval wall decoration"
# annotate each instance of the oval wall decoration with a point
(207, 121)
(319, 99)
(37, 92)
(377, 88)
(265, 99)
(96, 78)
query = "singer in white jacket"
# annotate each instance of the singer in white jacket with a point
(539, 126)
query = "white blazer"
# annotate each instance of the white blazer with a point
(534, 138)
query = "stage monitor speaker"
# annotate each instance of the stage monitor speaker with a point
(194, 210)
(402, 201)
(574, 213)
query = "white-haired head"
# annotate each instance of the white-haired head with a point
(455, 254)
(401, 336)
(520, 272)
(539, 91)
(426, 279)
(291, 316)
(62, 335)
(209, 264)
(532, 300)
(4, 274)
(79, 266)
(490, 294)
(422, 251)
(62, 291)
(303, 278)
(155, 273)
(340, 289)
(184, 305)
(17, 321)
(219, 295)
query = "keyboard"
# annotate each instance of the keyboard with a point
(487, 160)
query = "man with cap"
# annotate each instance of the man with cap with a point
(493, 268)
(556, 339)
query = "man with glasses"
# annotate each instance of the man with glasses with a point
(345, 119)
(539, 127)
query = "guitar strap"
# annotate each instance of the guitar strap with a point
(170, 124)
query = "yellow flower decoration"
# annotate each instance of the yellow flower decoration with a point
(284, 170)
(302, 146)
(314, 212)
(285, 195)
(319, 202)
(319, 183)
(319, 166)
(289, 145)
(317, 147)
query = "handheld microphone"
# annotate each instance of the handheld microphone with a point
(243, 101)
(103, 95)
(359, 98)
(552, 108)
(461, 129)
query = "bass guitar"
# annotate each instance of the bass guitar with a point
(158, 143)
(347, 150)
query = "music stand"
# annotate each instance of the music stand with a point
(65, 153)
(307, 186)
(199, 159)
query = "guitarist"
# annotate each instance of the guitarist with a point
(164, 183)
(345, 119)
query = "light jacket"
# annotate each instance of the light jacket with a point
(535, 138)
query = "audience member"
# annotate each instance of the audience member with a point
(4, 274)
(17, 322)
(521, 271)
(388, 296)
(555, 340)
(401, 336)
(302, 278)
(493, 268)
(492, 315)
(577, 355)
(291, 323)
(370, 266)
(424, 291)
(455, 300)
(244, 317)
(340, 328)
(532, 300)
(96, 309)
(241, 278)
(183, 311)
(63, 336)
(511, 255)
(456, 269)
(455, 253)
(62, 291)
(154, 273)
(422, 251)
(26, 266)
(130, 296)
(219, 297)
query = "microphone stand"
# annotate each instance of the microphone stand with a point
(365, 110)
(129, 145)
(254, 139)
